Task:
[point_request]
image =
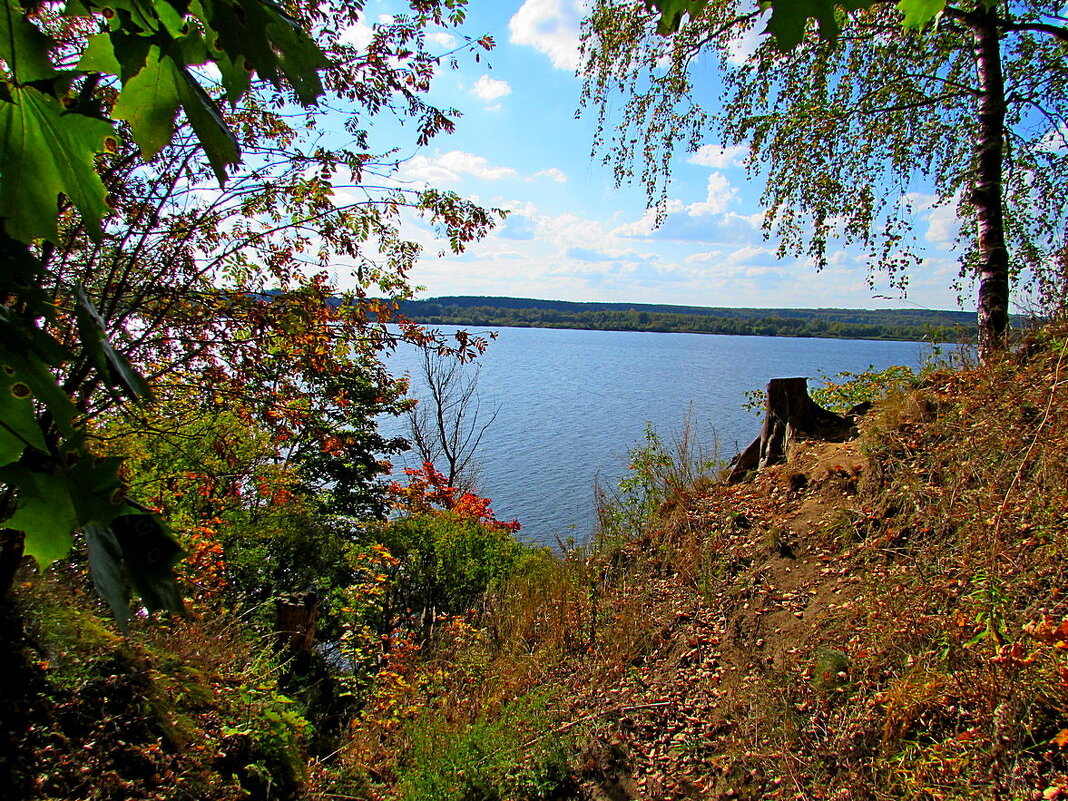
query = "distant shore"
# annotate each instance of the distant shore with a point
(917, 325)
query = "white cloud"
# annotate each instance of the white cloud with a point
(647, 224)
(487, 88)
(704, 256)
(553, 174)
(943, 225)
(358, 35)
(452, 166)
(720, 195)
(550, 27)
(719, 156)
(442, 38)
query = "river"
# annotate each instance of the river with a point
(572, 403)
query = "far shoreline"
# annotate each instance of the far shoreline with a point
(888, 325)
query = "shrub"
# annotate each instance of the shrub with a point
(659, 476)
(446, 562)
(516, 756)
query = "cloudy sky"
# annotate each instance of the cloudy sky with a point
(571, 234)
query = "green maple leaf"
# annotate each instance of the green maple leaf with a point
(105, 565)
(23, 47)
(18, 421)
(45, 152)
(672, 12)
(150, 100)
(269, 40)
(45, 513)
(99, 55)
(52, 505)
(920, 12)
(789, 19)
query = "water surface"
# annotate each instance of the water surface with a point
(572, 403)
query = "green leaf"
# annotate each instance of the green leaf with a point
(111, 363)
(31, 352)
(269, 40)
(672, 12)
(99, 55)
(53, 504)
(18, 422)
(789, 19)
(21, 280)
(105, 565)
(150, 554)
(920, 12)
(45, 513)
(45, 152)
(95, 489)
(214, 135)
(23, 47)
(150, 100)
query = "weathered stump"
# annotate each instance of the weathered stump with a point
(790, 414)
(295, 617)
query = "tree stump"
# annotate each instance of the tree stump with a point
(294, 622)
(790, 415)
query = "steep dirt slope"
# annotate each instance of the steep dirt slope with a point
(876, 619)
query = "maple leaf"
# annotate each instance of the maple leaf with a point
(45, 153)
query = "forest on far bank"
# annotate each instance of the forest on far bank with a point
(934, 325)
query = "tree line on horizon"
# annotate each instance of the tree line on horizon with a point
(882, 324)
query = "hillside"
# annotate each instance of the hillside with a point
(903, 324)
(883, 618)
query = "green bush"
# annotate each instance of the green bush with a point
(447, 563)
(518, 756)
(842, 392)
(658, 473)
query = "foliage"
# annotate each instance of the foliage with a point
(434, 562)
(189, 708)
(900, 324)
(845, 390)
(54, 128)
(658, 474)
(868, 386)
(221, 289)
(841, 131)
(514, 756)
(428, 492)
(446, 561)
(788, 21)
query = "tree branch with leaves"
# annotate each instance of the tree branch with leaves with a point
(847, 108)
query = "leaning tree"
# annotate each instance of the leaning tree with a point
(846, 128)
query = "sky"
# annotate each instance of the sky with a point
(572, 234)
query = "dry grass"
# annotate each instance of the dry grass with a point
(877, 620)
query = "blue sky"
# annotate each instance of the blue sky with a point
(572, 235)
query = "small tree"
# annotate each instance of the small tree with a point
(448, 422)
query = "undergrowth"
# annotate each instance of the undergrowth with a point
(882, 619)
